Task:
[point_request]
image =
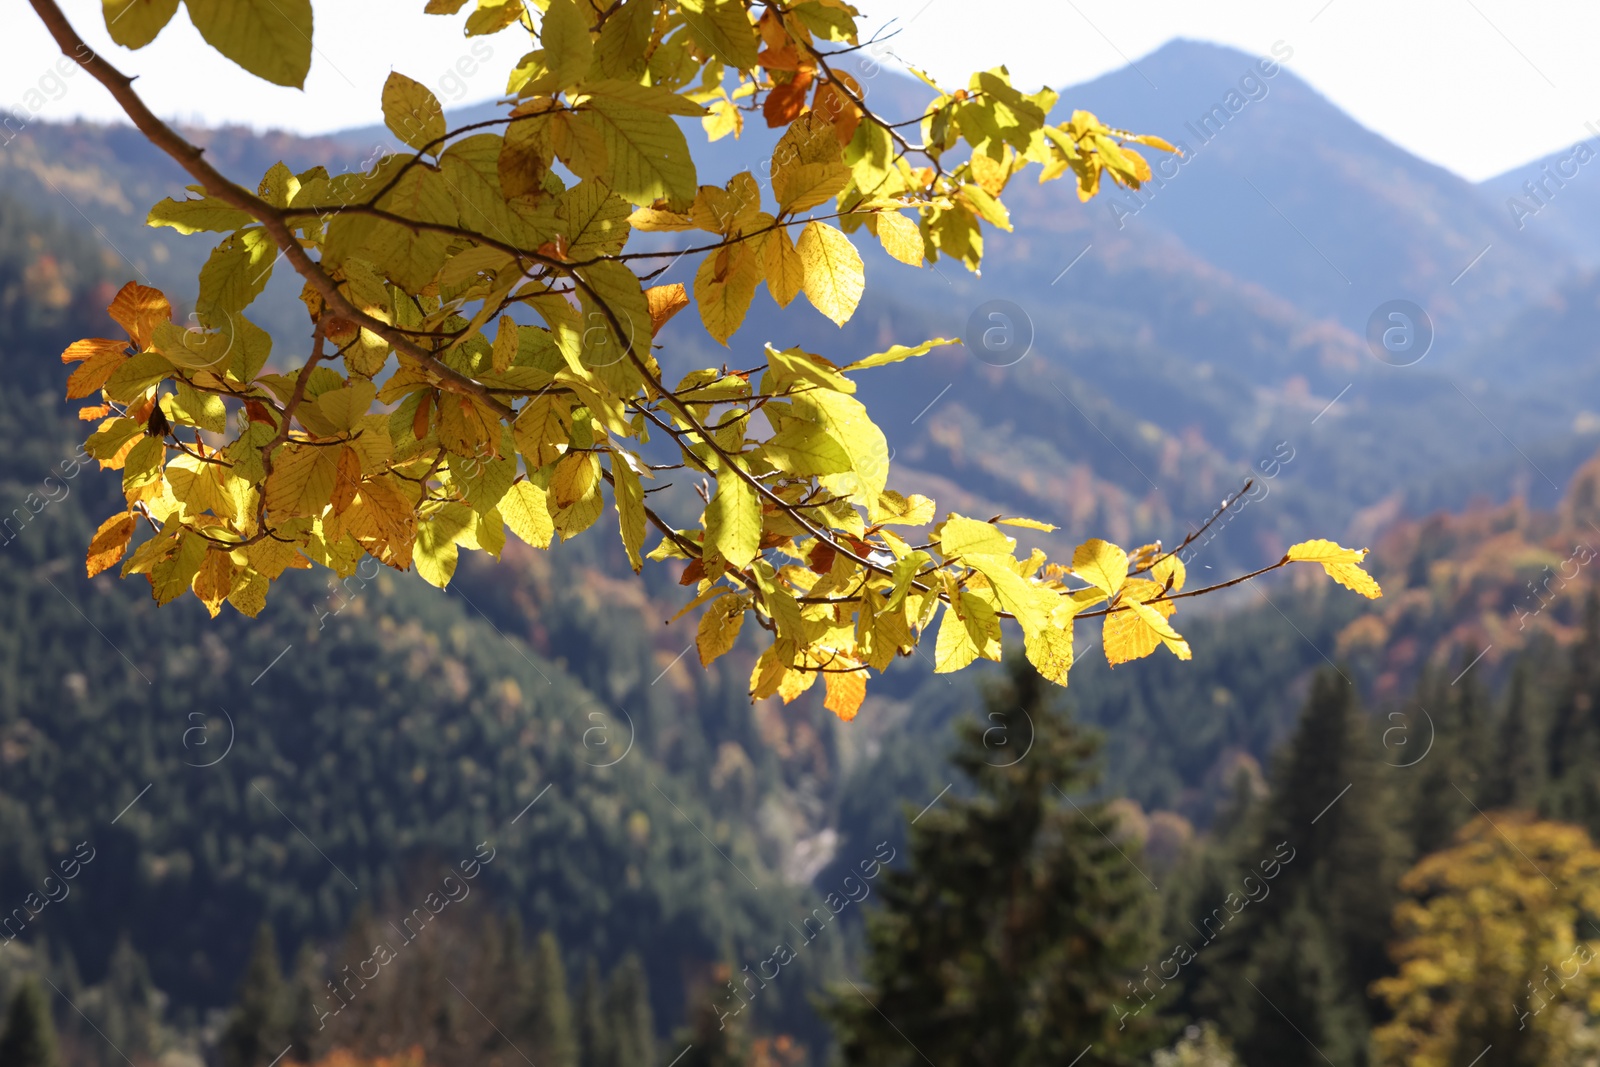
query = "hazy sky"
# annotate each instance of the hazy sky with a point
(1477, 86)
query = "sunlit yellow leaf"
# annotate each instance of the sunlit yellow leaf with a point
(1101, 564)
(1342, 564)
(834, 277)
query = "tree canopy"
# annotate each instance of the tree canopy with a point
(481, 351)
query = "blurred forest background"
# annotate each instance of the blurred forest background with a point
(1343, 834)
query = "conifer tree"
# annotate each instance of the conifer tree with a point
(304, 1011)
(29, 1039)
(547, 1018)
(628, 1015)
(1302, 935)
(259, 1027)
(1516, 776)
(714, 1037)
(594, 1035)
(1012, 933)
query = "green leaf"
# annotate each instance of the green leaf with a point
(724, 29)
(733, 520)
(847, 421)
(896, 353)
(235, 274)
(136, 375)
(412, 112)
(806, 448)
(191, 216)
(647, 155)
(435, 553)
(135, 23)
(269, 38)
(564, 36)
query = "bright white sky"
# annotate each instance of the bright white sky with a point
(1477, 86)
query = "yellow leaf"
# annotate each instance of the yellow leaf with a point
(170, 577)
(733, 520)
(630, 508)
(807, 185)
(724, 286)
(249, 593)
(526, 511)
(794, 682)
(1138, 629)
(1169, 568)
(1050, 651)
(574, 478)
(1101, 564)
(786, 271)
(724, 29)
(963, 537)
(834, 277)
(915, 510)
(725, 118)
(1342, 564)
(269, 38)
(900, 238)
(135, 23)
(767, 674)
(214, 580)
(110, 541)
(1027, 524)
(413, 113)
(543, 428)
(719, 627)
(302, 480)
(966, 634)
(896, 353)
(846, 691)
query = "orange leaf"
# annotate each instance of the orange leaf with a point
(100, 357)
(110, 542)
(845, 693)
(139, 309)
(833, 103)
(665, 301)
(785, 102)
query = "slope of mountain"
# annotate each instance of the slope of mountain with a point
(1556, 197)
(1281, 188)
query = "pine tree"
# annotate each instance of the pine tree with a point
(1009, 938)
(595, 1042)
(305, 1008)
(628, 1015)
(1516, 777)
(29, 1039)
(715, 1038)
(1573, 743)
(547, 1018)
(1290, 955)
(259, 1027)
